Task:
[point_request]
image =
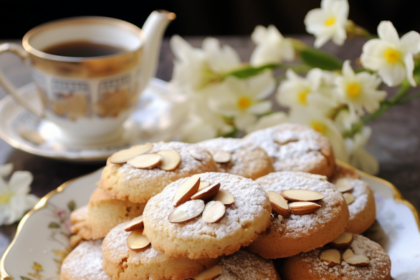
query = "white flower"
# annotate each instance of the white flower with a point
(390, 56)
(344, 120)
(300, 92)
(195, 69)
(359, 90)
(243, 99)
(268, 121)
(203, 123)
(359, 157)
(329, 22)
(14, 197)
(272, 47)
(313, 119)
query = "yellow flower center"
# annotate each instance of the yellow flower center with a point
(330, 21)
(392, 55)
(5, 197)
(244, 102)
(302, 97)
(354, 90)
(319, 126)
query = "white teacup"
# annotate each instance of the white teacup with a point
(89, 97)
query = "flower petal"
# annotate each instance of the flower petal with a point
(245, 120)
(6, 169)
(409, 66)
(388, 33)
(262, 85)
(392, 75)
(259, 35)
(268, 121)
(261, 107)
(410, 42)
(20, 182)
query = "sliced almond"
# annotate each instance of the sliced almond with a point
(302, 195)
(136, 223)
(203, 185)
(196, 154)
(213, 212)
(187, 211)
(331, 257)
(224, 197)
(186, 190)
(207, 193)
(146, 161)
(280, 217)
(303, 208)
(170, 160)
(349, 198)
(343, 241)
(222, 156)
(278, 203)
(209, 273)
(136, 240)
(75, 240)
(125, 155)
(356, 260)
(343, 185)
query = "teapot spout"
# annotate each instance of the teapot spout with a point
(153, 29)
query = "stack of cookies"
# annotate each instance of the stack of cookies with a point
(225, 209)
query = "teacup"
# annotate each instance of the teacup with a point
(89, 95)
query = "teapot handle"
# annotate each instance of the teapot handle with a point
(8, 87)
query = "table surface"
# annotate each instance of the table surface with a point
(395, 140)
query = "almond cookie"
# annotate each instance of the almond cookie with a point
(121, 262)
(294, 147)
(290, 234)
(138, 185)
(370, 262)
(247, 213)
(84, 263)
(103, 213)
(359, 198)
(243, 265)
(235, 156)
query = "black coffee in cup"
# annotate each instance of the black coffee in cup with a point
(83, 49)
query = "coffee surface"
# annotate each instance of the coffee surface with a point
(83, 49)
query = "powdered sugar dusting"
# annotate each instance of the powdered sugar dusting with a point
(296, 225)
(251, 202)
(247, 157)
(360, 190)
(188, 163)
(226, 144)
(292, 147)
(246, 266)
(378, 268)
(115, 246)
(85, 262)
(138, 185)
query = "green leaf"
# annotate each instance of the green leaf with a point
(416, 73)
(231, 134)
(319, 59)
(25, 278)
(53, 225)
(71, 205)
(250, 71)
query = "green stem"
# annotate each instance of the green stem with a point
(385, 105)
(409, 98)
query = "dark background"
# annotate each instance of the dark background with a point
(204, 17)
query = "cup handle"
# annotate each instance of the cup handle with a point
(8, 87)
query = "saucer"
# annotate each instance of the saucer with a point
(158, 116)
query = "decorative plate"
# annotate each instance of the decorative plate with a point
(42, 239)
(157, 117)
